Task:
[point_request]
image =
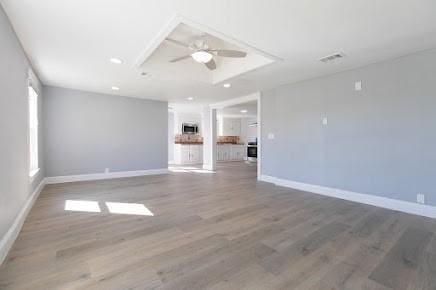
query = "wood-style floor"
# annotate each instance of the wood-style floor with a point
(216, 231)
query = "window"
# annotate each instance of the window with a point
(33, 131)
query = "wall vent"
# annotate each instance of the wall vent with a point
(332, 57)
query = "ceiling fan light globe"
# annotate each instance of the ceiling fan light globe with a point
(202, 56)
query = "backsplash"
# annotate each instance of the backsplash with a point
(181, 138)
(228, 139)
(187, 138)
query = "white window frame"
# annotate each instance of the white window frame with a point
(33, 131)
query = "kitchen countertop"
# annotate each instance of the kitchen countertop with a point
(189, 143)
(201, 143)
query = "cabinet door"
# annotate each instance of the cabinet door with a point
(227, 127)
(200, 153)
(194, 154)
(184, 153)
(219, 151)
(233, 152)
(226, 152)
(236, 152)
(241, 152)
(236, 127)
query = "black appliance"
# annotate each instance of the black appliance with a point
(188, 128)
(252, 150)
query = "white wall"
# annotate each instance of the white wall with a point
(180, 118)
(85, 133)
(379, 141)
(15, 184)
(171, 129)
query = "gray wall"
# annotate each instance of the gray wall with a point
(379, 141)
(88, 132)
(15, 185)
(171, 136)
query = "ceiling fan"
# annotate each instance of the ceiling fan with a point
(202, 53)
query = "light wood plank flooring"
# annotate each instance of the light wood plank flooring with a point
(215, 231)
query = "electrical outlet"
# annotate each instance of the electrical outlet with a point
(420, 198)
(106, 170)
(271, 136)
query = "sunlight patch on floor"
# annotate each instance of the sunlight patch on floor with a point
(128, 208)
(82, 205)
(112, 207)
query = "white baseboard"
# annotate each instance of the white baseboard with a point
(11, 235)
(99, 176)
(389, 203)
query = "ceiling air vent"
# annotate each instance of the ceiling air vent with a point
(332, 57)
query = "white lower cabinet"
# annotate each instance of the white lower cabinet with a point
(237, 152)
(193, 154)
(230, 152)
(188, 153)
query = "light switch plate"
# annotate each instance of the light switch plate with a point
(325, 121)
(270, 136)
(358, 86)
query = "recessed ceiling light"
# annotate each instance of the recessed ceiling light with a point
(227, 85)
(115, 88)
(190, 99)
(244, 111)
(116, 60)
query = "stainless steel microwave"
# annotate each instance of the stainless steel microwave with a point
(188, 128)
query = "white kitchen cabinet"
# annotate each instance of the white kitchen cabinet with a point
(188, 153)
(225, 151)
(195, 153)
(229, 127)
(230, 152)
(219, 154)
(237, 152)
(222, 152)
(236, 127)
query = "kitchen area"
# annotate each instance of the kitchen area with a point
(236, 136)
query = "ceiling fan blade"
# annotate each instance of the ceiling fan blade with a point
(180, 58)
(229, 53)
(211, 65)
(180, 43)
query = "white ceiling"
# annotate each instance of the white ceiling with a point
(158, 62)
(70, 42)
(235, 110)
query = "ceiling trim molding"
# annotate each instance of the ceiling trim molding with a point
(157, 40)
(177, 19)
(239, 116)
(235, 101)
(3, 3)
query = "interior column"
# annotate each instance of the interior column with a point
(209, 138)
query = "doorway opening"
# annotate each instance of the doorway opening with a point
(238, 131)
